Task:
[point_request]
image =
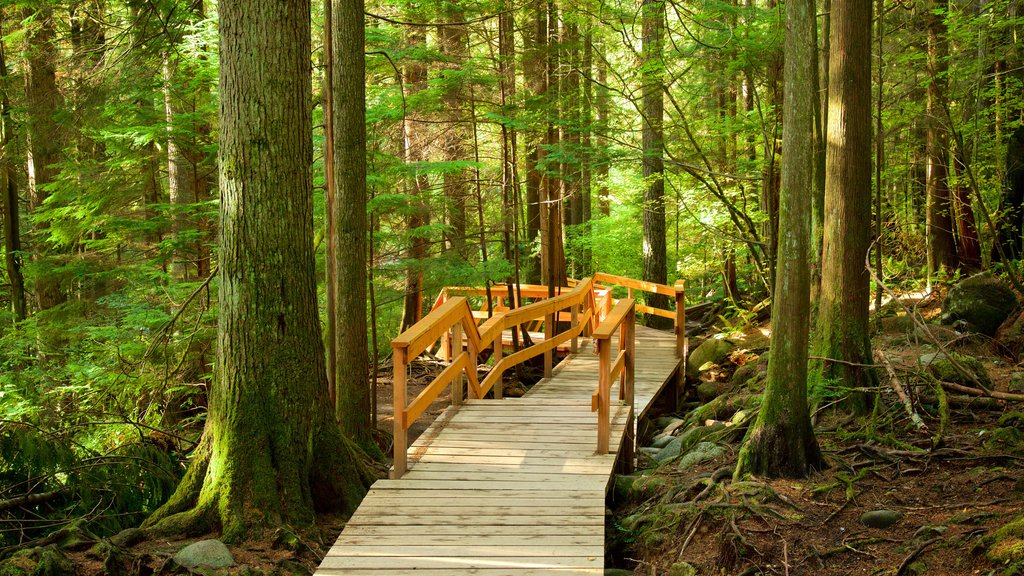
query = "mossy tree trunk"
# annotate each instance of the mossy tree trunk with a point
(942, 254)
(9, 211)
(781, 442)
(653, 136)
(842, 332)
(350, 216)
(272, 452)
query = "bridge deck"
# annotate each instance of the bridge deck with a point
(504, 487)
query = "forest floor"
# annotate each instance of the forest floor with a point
(949, 495)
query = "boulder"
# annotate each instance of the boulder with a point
(881, 519)
(713, 351)
(744, 373)
(708, 391)
(982, 302)
(701, 453)
(205, 554)
(682, 569)
(941, 366)
(896, 325)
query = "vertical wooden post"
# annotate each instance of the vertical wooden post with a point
(549, 333)
(471, 351)
(629, 326)
(458, 385)
(398, 401)
(499, 386)
(574, 346)
(604, 394)
(680, 328)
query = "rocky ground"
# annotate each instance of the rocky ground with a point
(929, 484)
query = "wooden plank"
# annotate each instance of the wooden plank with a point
(510, 541)
(468, 548)
(465, 563)
(540, 531)
(517, 571)
(468, 520)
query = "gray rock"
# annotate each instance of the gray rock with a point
(880, 518)
(708, 391)
(662, 441)
(983, 302)
(713, 351)
(671, 450)
(650, 451)
(927, 532)
(682, 569)
(672, 426)
(700, 454)
(205, 553)
(942, 367)
(1016, 384)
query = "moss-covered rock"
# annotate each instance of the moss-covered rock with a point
(682, 569)
(1006, 545)
(942, 367)
(708, 391)
(745, 373)
(896, 325)
(701, 453)
(983, 302)
(45, 561)
(713, 351)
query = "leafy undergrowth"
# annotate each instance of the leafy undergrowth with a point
(952, 489)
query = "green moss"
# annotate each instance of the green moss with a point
(1006, 544)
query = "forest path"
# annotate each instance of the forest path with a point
(505, 487)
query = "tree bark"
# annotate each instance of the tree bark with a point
(415, 81)
(941, 242)
(842, 331)
(9, 209)
(654, 245)
(349, 89)
(534, 70)
(43, 134)
(781, 441)
(271, 452)
(601, 103)
(452, 37)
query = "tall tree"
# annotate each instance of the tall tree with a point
(941, 242)
(535, 35)
(781, 442)
(453, 41)
(652, 70)
(350, 207)
(842, 334)
(9, 210)
(414, 151)
(43, 132)
(271, 452)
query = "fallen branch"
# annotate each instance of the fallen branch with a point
(910, 557)
(29, 500)
(980, 392)
(894, 381)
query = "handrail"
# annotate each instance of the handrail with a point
(586, 305)
(452, 318)
(622, 319)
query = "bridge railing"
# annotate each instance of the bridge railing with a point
(677, 292)
(621, 319)
(454, 318)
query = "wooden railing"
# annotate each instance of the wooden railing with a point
(453, 318)
(588, 306)
(622, 319)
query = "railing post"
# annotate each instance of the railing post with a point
(471, 351)
(604, 393)
(549, 333)
(398, 401)
(499, 345)
(574, 346)
(458, 386)
(680, 328)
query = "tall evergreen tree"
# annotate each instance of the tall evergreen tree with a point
(272, 452)
(842, 333)
(655, 255)
(781, 442)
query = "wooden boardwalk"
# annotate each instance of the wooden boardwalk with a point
(506, 487)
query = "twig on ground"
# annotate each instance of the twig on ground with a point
(910, 557)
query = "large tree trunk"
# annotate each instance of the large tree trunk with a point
(601, 103)
(552, 248)
(654, 248)
(415, 81)
(272, 452)
(1011, 206)
(452, 37)
(535, 35)
(349, 90)
(9, 194)
(941, 242)
(842, 332)
(43, 133)
(781, 442)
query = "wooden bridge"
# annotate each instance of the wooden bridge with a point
(514, 486)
